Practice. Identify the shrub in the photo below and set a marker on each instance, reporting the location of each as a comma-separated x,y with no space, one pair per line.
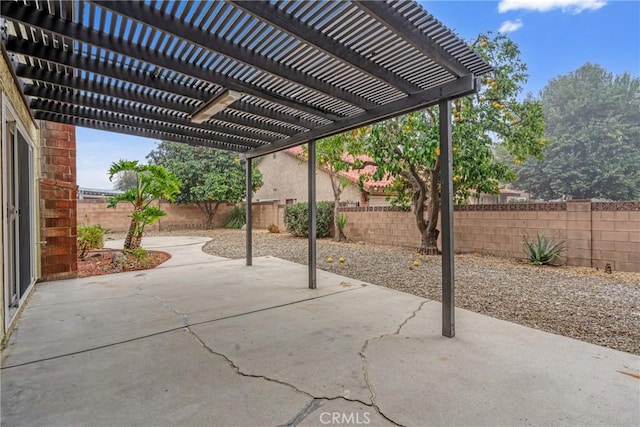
237,217
90,237
138,254
341,222
543,251
296,219
273,228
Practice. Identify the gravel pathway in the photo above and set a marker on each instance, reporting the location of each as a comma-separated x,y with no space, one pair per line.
581,303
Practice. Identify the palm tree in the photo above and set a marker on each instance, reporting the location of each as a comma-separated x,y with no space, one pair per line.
152,182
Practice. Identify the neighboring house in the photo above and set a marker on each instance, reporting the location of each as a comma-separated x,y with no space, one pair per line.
284,177
506,195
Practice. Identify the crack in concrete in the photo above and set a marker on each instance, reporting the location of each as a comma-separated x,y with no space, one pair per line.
365,362
184,317
313,398
413,315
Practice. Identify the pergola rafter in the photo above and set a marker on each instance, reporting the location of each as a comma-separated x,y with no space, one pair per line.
290,72
289,23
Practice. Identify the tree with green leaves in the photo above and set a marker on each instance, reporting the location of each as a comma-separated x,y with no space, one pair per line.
152,182
124,180
209,176
407,147
333,155
593,128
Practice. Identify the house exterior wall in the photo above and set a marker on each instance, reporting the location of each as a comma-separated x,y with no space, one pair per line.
595,234
58,204
11,99
285,178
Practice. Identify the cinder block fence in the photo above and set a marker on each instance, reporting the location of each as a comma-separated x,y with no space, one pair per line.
595,234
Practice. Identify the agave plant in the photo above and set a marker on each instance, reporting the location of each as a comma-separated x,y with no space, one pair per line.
543,251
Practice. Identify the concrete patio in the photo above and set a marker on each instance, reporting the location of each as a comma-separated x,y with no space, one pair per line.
204,340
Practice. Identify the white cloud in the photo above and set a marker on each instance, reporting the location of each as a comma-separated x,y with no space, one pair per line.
510,26
571,6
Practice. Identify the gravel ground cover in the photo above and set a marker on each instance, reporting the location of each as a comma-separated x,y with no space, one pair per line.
581,303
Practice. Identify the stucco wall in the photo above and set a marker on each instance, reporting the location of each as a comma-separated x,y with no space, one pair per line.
13,103
285,177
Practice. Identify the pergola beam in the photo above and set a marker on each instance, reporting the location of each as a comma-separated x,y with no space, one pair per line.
404,29
69,81
30,15
110,90
128,130
159,114
132,121
67,58
153,17
289,24
461,87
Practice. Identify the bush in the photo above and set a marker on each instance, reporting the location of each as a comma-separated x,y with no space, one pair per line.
237,217
138,254
90,237
341,222
543,251
296,219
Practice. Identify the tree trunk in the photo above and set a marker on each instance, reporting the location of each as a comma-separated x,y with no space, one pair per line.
128,241
209,210
428,231
430,236
134,238
337,192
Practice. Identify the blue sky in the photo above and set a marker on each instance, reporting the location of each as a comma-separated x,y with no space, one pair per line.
555,38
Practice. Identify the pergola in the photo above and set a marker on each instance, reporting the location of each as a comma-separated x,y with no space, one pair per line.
253,77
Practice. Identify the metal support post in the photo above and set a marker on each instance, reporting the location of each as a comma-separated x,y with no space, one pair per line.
249,252
446,214
312,212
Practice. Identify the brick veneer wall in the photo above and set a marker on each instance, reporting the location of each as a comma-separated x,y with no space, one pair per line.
179,217
596,234
58,195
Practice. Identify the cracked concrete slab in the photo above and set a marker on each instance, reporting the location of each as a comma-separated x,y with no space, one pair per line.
50,330
73,315
314,344
123,385
499,373
218,343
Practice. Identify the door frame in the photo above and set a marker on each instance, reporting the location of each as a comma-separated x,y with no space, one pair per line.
9,115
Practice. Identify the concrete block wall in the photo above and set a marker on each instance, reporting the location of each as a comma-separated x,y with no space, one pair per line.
382,225
595,234
58,201
500,229
265,213
616,235
179,217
